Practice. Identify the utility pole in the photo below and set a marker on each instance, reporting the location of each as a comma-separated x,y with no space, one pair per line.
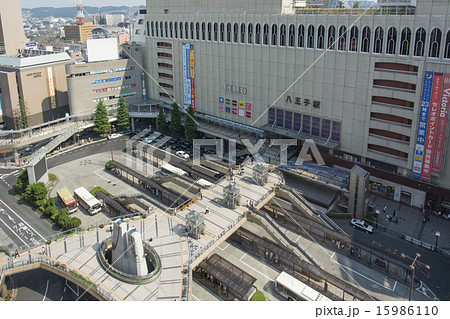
413,268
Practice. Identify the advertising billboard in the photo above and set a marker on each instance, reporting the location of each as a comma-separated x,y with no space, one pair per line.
432,123
422,126
188,75
442,126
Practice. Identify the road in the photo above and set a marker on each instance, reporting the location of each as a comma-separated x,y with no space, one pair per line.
20,225
437,278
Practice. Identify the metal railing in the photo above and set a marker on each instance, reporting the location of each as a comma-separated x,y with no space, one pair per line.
71,272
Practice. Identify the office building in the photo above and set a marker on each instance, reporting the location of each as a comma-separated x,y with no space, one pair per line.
79,32
350,80
12,37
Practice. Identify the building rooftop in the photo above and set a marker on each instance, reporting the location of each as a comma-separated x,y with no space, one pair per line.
34,60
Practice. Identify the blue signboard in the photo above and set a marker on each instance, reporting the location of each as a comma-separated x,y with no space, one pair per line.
184,76
423,123
188,74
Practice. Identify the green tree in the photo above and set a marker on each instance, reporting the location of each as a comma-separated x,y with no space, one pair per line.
123,119
341,4
74,222
175,120
190,126
50,211
36,192
101,118
20,115
63,218
22,181
161,121
356,4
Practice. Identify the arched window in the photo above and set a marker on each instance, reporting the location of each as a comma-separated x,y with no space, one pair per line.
378,40
242,32
197,31
176,30
342,43
192,30
274,34
291,35
354,39
153,29
405,41
203,31
186,30
156,29
321,37
266,34
258,34
148,28
447,46
311,36
419,45
301,36
331,37
209,31
181,30
228,32
222,32
435,43
365,40
250,33
166,29
235,32
283,35
391,40
171,29
161,29
216,31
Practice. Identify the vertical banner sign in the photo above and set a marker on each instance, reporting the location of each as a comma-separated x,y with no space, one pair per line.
423,121
432,123
51,88
185,99
442,126
191,55
188,74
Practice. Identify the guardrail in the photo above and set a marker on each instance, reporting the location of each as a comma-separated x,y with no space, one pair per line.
71,272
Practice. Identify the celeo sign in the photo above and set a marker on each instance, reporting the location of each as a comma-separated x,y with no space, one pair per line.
235,89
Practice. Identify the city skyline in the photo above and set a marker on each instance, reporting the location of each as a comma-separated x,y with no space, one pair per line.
30,4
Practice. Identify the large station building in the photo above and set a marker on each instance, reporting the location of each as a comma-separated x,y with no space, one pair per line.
369,86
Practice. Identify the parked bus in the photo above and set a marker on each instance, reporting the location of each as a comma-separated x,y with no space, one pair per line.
293,289
67,200
87,200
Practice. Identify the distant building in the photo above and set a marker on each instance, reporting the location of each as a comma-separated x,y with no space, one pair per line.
79,33
12,37
40,81
107,81
111,19
119,34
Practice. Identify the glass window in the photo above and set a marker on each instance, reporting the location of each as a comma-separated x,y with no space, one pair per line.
378,40
280,118
297,121
354,39
306,124
342,43
315,127
419,45
365,42
292,35
321,37
336,133
326,127
331,37
405,41
435,43
301,36
391,40
311,36
271,116
288,120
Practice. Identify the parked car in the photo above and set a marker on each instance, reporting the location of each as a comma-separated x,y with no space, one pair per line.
115,135
361,224
182,154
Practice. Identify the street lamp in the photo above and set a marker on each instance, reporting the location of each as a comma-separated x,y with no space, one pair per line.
413,268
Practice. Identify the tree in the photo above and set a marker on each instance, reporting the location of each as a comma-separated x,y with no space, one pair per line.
123,119
63,218
341,4
101,118
190,126
74,222
175,120
161,121
356,4
21,115
22,181
36,192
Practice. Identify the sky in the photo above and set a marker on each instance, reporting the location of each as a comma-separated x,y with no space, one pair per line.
29,4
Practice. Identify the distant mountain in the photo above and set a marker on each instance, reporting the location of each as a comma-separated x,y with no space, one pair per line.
71,12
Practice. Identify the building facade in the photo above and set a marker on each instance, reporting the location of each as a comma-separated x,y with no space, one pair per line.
40,81
12,37
351,82
107,81
79,32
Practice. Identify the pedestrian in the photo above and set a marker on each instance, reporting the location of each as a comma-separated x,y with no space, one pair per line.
384,209
44,252
201,195
16,253
252,160
393,214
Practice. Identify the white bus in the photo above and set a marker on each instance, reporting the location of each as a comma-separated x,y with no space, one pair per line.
67,200
87,200
293,289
